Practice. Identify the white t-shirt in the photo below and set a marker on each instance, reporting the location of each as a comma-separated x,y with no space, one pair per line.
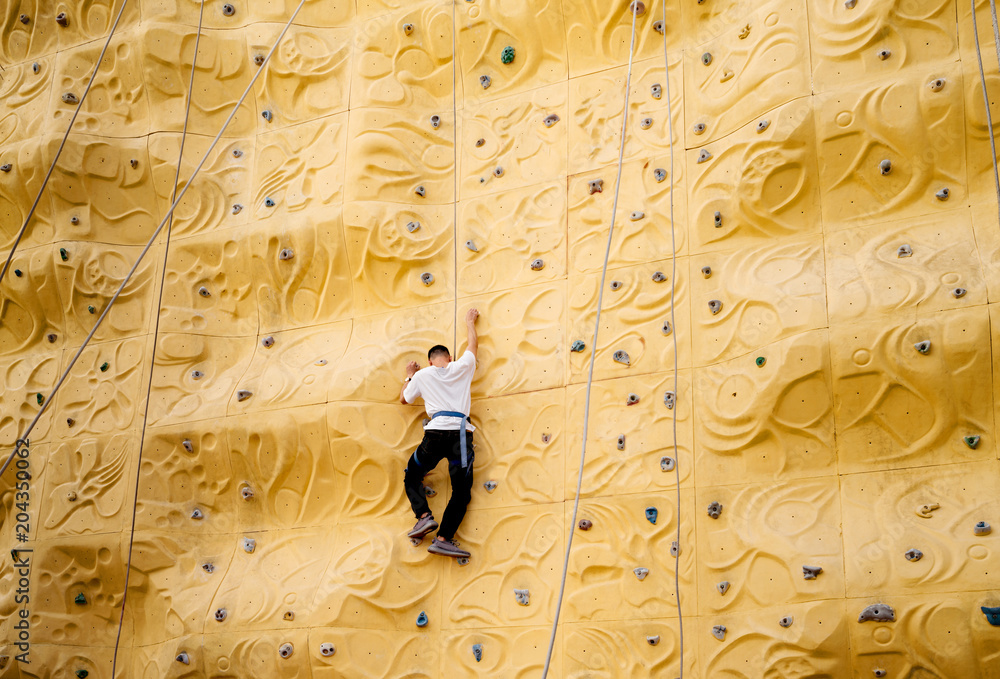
446,388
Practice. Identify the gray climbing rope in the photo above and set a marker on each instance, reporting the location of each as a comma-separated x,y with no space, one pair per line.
593,355
52,167
156,333
986,94
156,234
454,123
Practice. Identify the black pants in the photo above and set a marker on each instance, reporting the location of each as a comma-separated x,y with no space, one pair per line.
436,446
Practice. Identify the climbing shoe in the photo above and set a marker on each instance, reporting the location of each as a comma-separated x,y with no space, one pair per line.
424,526
447,548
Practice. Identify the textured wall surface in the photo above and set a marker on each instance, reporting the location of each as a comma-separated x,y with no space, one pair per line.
803,406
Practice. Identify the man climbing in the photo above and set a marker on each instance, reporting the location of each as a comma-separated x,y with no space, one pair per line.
445,387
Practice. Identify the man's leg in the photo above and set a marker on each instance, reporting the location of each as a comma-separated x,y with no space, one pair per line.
461,488
419,465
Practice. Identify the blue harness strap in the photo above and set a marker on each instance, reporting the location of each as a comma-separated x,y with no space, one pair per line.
452,413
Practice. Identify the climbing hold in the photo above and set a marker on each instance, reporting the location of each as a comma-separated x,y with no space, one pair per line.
435,121
286,650
40,399
183,657
197,514
641,573
621,442
786,621
203,291
6,167
62,19
667,464
699,128
490,486
992,615
658,27
74,220
596,186
477,652
70,421
714,510
268,202
636,215
63,254
585,524
237,153
850,4
719,632
80,599
485,81
208,568
220,614
943,194
659,174
427,278
228,10
745,32
632,399
577,346
878,613
616,285
412,226
246,491
25,19
971,441
258,59
546,438
904,251
646,123
656,91
420,191
651,514
959,292
197,374
982,528
498,171
706,271
327,649
810,572
723,587
537,264
760,361
268,342
267,115
879,672
522,596
428,491
105,366
706,58
727,75
51,337
550,120
480,142
82,674
35,67
715,306
507,55
471,246
620,357
658,277
638,8
883,54
407,29
91,309
923,347
669,398
463,561
885,167
134,163
288,615
924,511
703,155
18,273
249,544
762,125
936,85
653,640
286,254
718,219
237,208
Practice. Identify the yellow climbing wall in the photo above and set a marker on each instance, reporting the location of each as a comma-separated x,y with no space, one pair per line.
802,406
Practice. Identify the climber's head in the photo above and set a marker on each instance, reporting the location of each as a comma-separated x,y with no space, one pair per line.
439,356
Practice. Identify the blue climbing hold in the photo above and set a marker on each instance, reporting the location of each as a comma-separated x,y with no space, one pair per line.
477,650
651,514
422,619
992,614
578,346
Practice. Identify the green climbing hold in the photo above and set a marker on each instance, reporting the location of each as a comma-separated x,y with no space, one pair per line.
80,599
63,254
760,361
507,55
40,399
105,366
82,674
91,309
578,346
971,441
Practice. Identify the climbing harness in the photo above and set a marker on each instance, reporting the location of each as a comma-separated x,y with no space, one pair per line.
464,417
52,167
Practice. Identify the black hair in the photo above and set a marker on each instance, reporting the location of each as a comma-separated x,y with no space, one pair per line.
437,349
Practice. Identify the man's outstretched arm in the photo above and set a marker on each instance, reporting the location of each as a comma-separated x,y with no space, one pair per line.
470,322
411,370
